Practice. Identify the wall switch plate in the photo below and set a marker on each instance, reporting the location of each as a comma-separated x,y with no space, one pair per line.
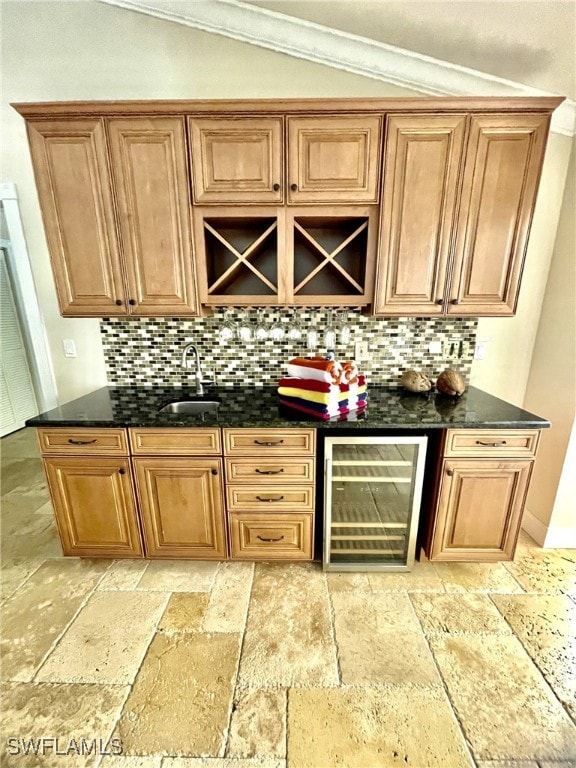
69,347
480,350
361,351
435,347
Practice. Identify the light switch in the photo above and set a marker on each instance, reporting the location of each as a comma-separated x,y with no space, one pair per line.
69,347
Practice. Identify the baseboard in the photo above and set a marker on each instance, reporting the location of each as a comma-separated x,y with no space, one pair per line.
553,537
534,527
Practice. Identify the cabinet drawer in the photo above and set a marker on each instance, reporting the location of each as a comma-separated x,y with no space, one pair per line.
492,443
175,442
269,442
272,498
269,470
264,537
70,440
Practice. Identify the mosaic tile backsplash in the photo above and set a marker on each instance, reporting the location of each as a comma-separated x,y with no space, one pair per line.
148,351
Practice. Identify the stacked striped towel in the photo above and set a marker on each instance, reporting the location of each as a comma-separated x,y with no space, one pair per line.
323,388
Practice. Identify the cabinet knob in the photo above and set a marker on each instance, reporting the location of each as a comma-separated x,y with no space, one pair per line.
449,472
439,301
118,302
276,187
214,471
455,301
132,302
121,471
294,187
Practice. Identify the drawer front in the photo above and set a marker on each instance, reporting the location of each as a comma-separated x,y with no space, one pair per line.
516,443
175,442
77,440
269,442
268,470
271,498
271,537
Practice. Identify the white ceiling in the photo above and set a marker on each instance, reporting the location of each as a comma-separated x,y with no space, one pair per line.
529,41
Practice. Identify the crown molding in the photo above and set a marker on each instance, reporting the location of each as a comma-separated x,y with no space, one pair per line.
341,50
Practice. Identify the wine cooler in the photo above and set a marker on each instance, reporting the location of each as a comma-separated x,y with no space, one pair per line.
373,490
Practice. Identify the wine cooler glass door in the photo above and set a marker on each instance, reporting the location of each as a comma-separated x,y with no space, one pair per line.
372,502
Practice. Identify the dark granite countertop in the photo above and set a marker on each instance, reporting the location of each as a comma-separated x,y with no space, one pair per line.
388,409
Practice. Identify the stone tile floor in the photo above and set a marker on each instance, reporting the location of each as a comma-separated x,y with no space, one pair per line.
233,665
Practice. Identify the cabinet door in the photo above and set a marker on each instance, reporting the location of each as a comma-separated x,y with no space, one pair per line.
73,182
480,509
501,175
421,173
334,159
237,159
151,185
93,500
182,507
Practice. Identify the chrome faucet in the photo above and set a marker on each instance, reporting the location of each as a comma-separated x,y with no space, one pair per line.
199,376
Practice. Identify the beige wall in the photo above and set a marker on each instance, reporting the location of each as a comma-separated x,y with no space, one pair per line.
87,50
551,387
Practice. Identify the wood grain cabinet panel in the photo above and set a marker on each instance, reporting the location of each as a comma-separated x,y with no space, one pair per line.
334,159
93,500
181,507
269,442
479,509
237,160
162,441
74,189
421,174
271,537
91,441
503,164
151,182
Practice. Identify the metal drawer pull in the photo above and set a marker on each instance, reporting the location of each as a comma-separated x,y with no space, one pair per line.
268,471
279,498
81,442
267,442
262,538
491,445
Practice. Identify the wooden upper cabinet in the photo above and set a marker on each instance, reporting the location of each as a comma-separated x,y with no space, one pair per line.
151,182
334,159
421,172
237,160
73,182
501,175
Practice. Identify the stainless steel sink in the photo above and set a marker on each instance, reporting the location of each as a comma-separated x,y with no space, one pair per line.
191,407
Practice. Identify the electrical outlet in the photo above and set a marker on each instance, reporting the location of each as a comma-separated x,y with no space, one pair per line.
455,349
361,351
435,347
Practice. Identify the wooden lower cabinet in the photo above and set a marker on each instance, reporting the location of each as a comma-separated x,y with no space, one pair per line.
181,507
480,506
256,536
93,500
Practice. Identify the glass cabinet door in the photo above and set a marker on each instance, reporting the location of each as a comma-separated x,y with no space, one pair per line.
372,502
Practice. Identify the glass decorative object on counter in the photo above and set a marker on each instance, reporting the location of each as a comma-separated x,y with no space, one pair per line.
372,496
